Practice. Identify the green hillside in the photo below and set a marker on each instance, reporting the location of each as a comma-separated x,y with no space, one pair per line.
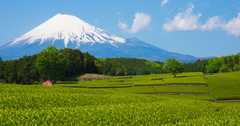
225,85
125,100
221,86
38,105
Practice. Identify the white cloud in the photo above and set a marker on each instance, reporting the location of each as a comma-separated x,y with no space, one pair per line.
233,26
96,20
164,2
213,23
141,22
189,21
122,26
183,21
118,13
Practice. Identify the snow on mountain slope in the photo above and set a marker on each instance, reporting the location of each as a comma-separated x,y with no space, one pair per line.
70,29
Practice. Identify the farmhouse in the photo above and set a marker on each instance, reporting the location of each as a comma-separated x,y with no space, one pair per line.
48,83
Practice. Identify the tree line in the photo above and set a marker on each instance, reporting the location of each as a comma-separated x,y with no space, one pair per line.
214,65
60,64
55,65
43,66
134,66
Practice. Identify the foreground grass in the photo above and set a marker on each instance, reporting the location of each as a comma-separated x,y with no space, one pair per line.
38,105
225,85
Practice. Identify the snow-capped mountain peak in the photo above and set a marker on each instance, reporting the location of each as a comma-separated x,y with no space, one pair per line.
70,29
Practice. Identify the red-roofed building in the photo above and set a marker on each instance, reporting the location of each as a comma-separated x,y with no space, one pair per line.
48,83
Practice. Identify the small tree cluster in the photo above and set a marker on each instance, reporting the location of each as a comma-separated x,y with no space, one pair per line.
52,63
223,64
173,66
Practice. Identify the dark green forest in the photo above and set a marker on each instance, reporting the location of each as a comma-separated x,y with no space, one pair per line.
134,66
24,70
37,68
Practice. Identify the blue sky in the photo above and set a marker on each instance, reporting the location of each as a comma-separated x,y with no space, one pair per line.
200,28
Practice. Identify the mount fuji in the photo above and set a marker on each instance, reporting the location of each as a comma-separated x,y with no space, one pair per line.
69,31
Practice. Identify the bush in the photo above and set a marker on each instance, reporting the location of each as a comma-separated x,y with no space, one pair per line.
224,68
36,82
2,81
236,67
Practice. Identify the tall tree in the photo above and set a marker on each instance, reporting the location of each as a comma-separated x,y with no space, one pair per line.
215,65
225,60
224,68
236,59
75,58
238,54
52,63
10,73
89,63
173,66
230,62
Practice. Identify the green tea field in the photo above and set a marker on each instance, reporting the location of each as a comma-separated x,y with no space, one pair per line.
224,85
134,100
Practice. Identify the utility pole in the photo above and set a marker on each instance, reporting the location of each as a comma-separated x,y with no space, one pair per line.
140,71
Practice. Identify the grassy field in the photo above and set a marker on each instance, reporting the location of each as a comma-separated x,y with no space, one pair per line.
153,79
182,89
129,84
224,85
78,103
56,105
137,90
96,84
158,89
191,97
186,80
